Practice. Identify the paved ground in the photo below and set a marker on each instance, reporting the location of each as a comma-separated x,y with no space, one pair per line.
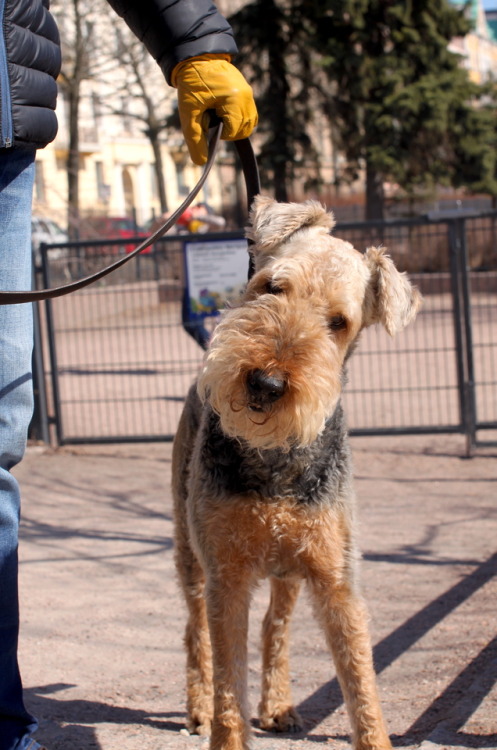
102,620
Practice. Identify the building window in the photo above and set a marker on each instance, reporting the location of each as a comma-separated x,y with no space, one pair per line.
96,106
39,181
126,119
103,190
154,188
183,188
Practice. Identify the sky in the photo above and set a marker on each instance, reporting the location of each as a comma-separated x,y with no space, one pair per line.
487,4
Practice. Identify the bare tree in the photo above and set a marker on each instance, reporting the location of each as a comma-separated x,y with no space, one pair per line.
139,84
101,58
77,24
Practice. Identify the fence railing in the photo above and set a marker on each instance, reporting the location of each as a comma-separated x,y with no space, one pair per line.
114,361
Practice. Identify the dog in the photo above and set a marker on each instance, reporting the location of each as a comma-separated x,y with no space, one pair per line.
262,478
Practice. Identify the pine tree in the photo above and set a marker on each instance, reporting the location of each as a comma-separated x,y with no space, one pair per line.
403,105
276,59
400,104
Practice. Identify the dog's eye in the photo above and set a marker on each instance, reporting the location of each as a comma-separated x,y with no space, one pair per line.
338,323
272,288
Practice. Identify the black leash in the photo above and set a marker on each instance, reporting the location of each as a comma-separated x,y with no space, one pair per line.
251,174
252,183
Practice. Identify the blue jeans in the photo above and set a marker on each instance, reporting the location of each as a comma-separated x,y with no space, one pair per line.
16,406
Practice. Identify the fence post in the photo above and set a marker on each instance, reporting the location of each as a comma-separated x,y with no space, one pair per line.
54,370
39,428
468,335
462,329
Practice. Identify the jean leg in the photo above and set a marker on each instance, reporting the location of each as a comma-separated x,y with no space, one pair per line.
16,406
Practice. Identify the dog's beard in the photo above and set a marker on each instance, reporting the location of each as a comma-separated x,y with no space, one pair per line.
303,352
284,425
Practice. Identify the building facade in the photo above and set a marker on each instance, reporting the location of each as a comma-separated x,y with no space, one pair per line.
117,174
479,48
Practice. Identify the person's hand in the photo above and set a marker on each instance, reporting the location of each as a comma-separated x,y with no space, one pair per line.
212,82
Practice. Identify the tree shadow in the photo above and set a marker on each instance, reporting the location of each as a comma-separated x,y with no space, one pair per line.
68,721
399,641
445,716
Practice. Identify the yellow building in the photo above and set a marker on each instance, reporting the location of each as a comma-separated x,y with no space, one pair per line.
478,48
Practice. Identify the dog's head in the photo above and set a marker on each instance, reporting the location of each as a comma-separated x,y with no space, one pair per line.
272,224
276,229
274,369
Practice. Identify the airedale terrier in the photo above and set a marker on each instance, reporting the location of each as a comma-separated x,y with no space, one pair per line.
262,478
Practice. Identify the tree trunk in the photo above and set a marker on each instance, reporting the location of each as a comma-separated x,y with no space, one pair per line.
280,181
375,194
73,163
159,168
73,88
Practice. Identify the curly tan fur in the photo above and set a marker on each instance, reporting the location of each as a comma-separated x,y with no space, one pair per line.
262,480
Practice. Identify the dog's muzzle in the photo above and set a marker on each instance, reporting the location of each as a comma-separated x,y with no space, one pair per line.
264,390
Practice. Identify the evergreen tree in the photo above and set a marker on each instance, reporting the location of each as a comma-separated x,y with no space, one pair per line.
275,56
475,143
399,102
402,103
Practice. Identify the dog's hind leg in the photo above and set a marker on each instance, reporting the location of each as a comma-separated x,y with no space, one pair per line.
192,579
276,711
197,642
198,657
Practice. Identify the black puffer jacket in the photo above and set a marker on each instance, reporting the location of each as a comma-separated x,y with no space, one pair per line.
29,65
172,30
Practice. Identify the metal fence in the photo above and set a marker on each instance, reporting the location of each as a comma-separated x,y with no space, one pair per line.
114,362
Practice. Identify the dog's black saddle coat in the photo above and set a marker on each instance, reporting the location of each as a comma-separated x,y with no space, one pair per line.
313,474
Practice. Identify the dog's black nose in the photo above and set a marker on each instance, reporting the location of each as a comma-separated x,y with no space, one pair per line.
264,389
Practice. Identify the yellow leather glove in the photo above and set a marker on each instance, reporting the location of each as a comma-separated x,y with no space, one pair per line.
212,82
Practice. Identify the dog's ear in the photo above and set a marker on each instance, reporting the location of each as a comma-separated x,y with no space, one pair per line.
391,299
272,223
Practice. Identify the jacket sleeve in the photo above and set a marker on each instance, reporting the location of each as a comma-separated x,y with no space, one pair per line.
174,30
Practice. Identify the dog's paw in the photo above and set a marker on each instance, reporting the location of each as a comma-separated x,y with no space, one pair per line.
281,719
199,723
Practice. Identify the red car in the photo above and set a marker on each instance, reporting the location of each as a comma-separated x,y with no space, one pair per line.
112,227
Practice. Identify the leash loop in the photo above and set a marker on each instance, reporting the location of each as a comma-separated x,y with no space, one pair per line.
249,166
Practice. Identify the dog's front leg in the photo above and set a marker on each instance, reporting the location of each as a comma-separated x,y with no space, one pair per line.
228,598
276,710
343,615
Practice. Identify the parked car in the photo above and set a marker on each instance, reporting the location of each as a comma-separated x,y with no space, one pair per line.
48,231
109,228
